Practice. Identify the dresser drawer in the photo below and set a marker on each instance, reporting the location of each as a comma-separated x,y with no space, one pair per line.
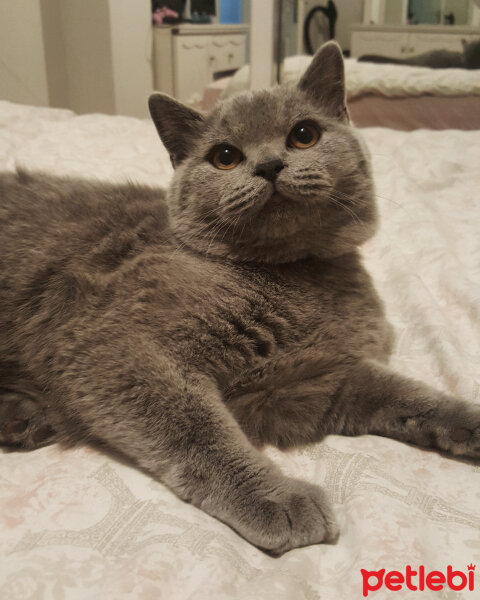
384,43
226,52
190,69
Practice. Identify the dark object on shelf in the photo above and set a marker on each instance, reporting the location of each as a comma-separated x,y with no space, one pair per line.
202,7
170,21
449,19
200,18
177,5
330,12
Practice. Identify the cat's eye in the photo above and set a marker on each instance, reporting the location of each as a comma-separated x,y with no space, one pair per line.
225,157
303,135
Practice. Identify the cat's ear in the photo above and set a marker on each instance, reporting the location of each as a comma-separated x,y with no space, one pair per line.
177,124
324,80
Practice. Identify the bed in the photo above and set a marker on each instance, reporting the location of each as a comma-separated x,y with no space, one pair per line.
77,524
383,95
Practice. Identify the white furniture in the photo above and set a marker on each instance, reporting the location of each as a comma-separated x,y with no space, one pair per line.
408,40
188,57
396,12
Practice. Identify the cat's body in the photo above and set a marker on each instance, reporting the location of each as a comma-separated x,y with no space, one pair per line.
244,316
100,261
469,58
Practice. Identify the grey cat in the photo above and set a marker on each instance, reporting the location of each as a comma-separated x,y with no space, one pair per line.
468,58
186,333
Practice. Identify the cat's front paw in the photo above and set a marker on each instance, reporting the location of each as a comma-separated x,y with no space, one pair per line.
453,427
291,515
23,425
461,435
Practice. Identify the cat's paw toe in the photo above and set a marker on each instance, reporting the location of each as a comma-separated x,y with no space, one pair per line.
298,514
462,434
22,423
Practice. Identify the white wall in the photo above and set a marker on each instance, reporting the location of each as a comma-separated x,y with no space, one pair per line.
88,58
54,52
23,75
86,55
131,51
350,12
261,43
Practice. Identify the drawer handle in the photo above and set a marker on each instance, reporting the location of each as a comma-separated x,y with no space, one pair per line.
188,46
403,49
232,42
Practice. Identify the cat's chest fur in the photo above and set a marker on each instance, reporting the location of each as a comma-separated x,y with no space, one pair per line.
88,274
228,318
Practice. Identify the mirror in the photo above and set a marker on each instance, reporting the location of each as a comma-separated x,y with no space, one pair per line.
422,12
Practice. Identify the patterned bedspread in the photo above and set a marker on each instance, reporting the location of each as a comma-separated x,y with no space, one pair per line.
78,524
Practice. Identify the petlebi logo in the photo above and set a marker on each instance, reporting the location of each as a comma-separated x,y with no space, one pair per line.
418,579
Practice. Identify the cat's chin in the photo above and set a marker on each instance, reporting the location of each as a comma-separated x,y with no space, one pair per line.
276,199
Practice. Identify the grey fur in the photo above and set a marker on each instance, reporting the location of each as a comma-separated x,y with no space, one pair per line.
244,316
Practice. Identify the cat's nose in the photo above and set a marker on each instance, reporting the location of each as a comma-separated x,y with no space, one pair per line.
270,169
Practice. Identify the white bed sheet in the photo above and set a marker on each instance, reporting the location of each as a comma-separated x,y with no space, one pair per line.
78,525
374,78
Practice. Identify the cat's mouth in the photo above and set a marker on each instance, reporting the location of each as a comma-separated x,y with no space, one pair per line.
276,198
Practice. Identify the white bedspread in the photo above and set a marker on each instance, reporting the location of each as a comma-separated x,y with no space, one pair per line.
387,80
78,525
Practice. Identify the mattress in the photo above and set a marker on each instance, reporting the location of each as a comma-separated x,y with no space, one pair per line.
78,524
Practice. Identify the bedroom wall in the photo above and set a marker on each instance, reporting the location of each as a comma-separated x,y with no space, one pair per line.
54,51
88,59
350,12
23,74
131,52
86,55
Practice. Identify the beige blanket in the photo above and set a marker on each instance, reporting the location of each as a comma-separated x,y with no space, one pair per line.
78,525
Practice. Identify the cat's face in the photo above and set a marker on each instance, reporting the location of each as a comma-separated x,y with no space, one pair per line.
270,176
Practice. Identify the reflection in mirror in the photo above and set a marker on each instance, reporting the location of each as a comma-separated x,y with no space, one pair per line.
421,12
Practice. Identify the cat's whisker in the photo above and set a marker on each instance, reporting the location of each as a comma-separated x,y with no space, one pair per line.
195,233
215,231
354,200
229,200
348,210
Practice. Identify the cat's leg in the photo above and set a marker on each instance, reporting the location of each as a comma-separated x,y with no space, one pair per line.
375,399
176,427
299,401
24,422
288,401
